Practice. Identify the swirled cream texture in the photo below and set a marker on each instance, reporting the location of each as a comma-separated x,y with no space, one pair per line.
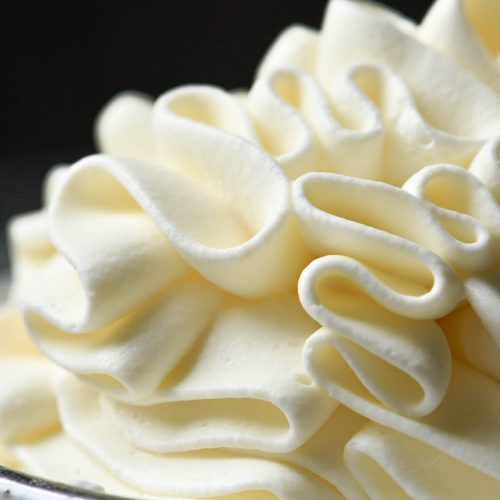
291,292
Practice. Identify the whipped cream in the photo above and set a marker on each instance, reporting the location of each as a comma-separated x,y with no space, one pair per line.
290,292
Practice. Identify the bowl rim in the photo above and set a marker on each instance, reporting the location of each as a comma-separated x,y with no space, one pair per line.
19,485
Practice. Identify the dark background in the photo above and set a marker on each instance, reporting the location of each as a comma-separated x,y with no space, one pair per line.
61,62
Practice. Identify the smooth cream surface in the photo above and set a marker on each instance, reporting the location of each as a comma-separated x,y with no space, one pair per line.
290,292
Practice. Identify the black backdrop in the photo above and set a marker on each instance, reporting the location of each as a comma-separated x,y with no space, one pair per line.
61,62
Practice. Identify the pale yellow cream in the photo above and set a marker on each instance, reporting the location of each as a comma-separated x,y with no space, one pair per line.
291,292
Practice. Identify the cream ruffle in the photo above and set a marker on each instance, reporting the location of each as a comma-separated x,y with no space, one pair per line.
288,292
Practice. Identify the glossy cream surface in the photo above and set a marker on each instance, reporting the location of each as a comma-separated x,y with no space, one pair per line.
291,292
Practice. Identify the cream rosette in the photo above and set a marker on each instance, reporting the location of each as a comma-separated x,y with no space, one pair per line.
290,292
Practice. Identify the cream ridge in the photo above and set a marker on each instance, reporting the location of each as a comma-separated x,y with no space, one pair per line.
288,292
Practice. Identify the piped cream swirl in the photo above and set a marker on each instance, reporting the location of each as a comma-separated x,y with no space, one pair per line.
288,292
